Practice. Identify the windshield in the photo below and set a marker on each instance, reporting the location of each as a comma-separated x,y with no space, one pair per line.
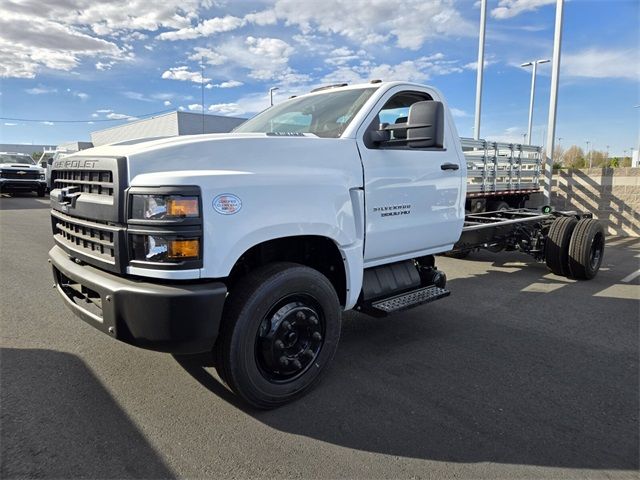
325,115
13,158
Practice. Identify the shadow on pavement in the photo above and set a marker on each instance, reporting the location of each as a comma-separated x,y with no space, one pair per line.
491,379
58,421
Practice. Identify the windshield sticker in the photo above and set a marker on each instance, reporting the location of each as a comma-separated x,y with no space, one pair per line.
227,204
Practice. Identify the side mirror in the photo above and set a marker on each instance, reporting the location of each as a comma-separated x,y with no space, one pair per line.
425,125
376,137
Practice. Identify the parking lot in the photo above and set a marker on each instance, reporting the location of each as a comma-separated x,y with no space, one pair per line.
518,374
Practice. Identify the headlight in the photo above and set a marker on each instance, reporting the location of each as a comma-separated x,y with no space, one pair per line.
42,176
166,249
164,207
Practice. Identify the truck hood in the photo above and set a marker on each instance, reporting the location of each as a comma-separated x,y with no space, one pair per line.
170,158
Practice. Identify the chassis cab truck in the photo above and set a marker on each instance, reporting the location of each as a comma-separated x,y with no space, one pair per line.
251,244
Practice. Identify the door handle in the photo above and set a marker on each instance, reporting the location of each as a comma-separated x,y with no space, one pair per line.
449,166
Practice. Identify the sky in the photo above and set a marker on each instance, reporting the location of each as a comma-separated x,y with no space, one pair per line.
102,63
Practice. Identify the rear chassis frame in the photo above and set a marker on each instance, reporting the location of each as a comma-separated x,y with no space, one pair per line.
521,229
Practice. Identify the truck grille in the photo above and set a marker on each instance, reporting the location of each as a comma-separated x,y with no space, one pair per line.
92,239
97,182
20,174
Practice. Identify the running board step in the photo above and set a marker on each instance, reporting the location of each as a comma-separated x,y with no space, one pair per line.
410,299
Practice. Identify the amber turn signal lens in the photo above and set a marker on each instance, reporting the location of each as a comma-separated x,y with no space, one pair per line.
182,207
183,249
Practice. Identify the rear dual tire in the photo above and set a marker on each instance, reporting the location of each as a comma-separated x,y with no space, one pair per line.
280,330
557,245
575,248
586,249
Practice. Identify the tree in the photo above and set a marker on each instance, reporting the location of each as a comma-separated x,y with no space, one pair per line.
573,157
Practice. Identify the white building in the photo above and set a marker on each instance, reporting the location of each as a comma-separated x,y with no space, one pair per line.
24,148
166,125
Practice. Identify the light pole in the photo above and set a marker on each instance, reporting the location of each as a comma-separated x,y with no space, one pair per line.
534,71
271,90
480,68
553,98
524,139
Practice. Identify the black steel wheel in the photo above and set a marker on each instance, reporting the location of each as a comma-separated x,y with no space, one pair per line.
497,206
290,338
586,249
280,330
556,247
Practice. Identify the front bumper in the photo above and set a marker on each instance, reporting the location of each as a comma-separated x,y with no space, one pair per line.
7,184
170,317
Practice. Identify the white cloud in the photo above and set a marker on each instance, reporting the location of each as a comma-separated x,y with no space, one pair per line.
509,135
47,123
600,63
410,22
195,107
226,108
102,66
227,84
273,48
205,29
183,74
40,90
104,110
60,34
119,116
474,65
9,124
265,58
265,17
210,56
511,8
167,103
342,56
94,115
456,112
418,70
81,95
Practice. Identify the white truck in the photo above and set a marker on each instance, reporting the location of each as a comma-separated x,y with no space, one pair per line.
251,244
19,173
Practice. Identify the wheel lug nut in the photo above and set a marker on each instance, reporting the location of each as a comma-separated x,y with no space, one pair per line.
316,336
286,325
279,344
301,315
308,353
284,361
296,363
313,320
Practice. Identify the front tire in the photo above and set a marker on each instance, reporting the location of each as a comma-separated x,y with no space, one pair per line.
41,191
280,330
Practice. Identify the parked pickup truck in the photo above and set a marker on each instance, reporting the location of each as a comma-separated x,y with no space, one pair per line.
19,173
251,244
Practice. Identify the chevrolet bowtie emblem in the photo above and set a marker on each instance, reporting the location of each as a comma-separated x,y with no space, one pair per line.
21,172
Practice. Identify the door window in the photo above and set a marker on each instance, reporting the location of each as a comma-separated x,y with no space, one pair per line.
396,112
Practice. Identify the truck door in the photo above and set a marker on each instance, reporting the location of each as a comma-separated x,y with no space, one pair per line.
414,195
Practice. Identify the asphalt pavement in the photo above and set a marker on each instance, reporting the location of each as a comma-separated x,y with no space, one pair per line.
518,374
